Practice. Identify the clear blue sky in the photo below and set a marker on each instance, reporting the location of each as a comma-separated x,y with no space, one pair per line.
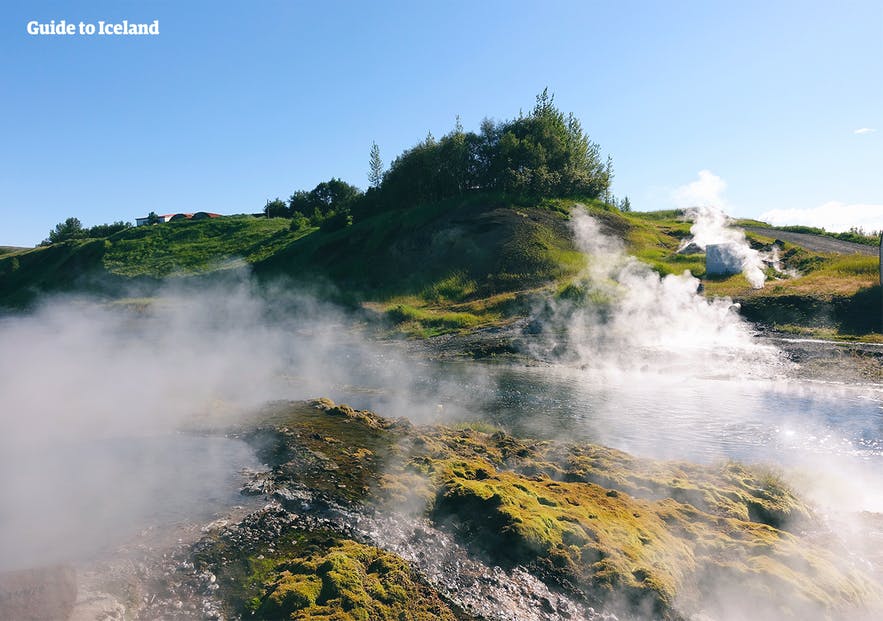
236,103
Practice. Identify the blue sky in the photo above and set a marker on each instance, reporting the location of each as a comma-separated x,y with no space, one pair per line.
753,105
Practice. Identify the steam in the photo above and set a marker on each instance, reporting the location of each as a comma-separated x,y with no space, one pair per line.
631,318
94,397
712,226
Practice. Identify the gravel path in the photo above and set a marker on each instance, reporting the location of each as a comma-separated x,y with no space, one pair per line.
816,243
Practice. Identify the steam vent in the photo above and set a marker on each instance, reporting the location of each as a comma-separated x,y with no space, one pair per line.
722,260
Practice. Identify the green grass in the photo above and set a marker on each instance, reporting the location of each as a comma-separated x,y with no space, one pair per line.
196,246
448,266
141,255
441,267
427,322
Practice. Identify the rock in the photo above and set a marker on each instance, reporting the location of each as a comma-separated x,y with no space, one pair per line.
691,248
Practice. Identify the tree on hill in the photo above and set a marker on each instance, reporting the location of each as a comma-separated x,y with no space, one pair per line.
276,209
545,153
325,200
71,228
106,230
375,170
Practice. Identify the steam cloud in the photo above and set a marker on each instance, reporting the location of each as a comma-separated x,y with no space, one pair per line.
94,397
711,226
641,320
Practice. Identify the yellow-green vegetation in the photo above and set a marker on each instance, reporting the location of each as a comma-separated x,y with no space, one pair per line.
637,533
428,321
316,574
345,581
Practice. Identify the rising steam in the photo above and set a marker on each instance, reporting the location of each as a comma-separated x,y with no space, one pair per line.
94,397
712,226
629,317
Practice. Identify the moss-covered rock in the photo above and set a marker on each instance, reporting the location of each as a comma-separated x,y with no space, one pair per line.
274,565
648,536
346,581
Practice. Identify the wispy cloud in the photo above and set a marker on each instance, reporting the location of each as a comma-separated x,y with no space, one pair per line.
864,130
706,191
832,216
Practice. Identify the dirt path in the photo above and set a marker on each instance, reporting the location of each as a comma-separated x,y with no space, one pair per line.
816,243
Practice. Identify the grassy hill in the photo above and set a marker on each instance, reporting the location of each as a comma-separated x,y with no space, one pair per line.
451,265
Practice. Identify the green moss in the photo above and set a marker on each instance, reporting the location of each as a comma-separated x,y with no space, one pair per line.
609,523
315,574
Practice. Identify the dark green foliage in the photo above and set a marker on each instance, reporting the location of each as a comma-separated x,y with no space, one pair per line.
106,230
276,209
324,201
500,246
336,222
69,229
543,154
72,228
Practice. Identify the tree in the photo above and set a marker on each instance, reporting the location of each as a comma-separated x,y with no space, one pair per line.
545,153
326,199
626,204
106,230
152,218
71,228
608,178
276,209
375,171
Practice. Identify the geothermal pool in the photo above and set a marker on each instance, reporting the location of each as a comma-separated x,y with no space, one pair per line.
828,434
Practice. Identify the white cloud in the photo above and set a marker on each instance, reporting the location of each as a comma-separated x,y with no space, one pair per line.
832,216
704,192
864,130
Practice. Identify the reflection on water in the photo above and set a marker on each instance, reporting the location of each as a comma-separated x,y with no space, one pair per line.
696,419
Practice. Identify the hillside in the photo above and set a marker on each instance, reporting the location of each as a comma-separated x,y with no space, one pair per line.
455,264
450,251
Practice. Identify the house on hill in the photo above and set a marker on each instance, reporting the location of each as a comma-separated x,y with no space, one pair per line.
175,217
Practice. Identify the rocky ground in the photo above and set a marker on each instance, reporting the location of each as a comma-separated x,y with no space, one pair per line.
832,361
362,517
